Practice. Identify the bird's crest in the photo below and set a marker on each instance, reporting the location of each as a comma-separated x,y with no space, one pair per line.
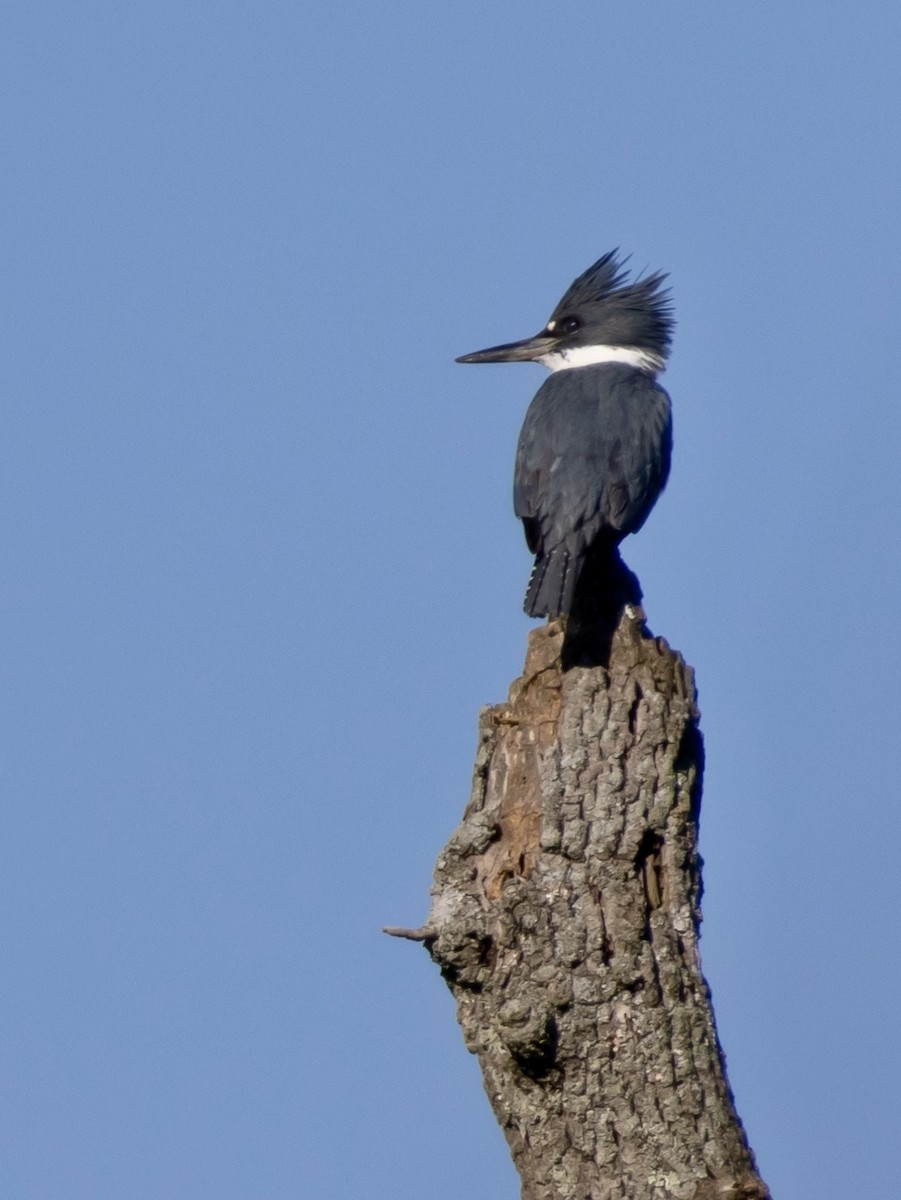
604,291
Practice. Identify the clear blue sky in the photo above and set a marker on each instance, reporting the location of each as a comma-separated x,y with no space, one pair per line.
260,570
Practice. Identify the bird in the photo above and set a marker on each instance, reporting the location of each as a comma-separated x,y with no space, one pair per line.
594,451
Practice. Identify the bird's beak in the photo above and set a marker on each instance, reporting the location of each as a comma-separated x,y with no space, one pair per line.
525,351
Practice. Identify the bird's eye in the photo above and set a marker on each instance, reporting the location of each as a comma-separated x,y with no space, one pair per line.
570,324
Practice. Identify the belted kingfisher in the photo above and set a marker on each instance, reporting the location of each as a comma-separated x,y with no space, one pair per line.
594,450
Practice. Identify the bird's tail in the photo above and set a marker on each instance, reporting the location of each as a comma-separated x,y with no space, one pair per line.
552,585
568,577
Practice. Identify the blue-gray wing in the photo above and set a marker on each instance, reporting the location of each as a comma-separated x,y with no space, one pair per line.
593,456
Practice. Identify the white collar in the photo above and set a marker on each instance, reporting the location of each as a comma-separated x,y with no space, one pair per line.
585,356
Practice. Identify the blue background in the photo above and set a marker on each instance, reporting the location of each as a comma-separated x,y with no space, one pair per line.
259,568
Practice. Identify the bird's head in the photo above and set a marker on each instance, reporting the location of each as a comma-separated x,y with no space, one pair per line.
602,318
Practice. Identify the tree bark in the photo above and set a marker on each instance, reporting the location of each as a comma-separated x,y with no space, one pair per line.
565,915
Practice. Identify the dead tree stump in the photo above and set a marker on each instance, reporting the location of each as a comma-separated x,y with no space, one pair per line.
565,917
